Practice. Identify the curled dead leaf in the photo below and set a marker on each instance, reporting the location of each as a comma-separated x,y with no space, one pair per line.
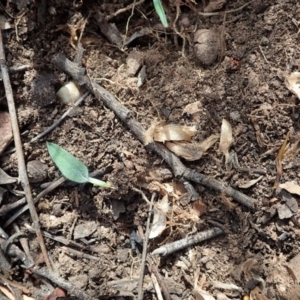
173,132
161,133
159,217
226,139
292,82
192,110
192,151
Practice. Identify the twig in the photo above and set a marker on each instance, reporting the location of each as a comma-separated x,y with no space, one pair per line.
208,14
81,254
145,245
24,243
21,161
15,252
15,284
68,243
4,264
66,285
156,287
189,241
46,191
126,116
128,7
153,269
54,125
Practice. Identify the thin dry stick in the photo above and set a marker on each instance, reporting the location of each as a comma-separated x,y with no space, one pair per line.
21,161
153,269
145,245
156,287
188,241
128,7
208,14
47,190
126,116
54,125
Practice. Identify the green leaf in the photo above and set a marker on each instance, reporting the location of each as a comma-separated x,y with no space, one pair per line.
160,11
72,168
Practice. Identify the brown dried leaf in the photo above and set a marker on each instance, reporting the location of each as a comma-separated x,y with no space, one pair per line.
292,82
199,208
227,202
202,295
226,139
291,187
75,31
173,132
192,151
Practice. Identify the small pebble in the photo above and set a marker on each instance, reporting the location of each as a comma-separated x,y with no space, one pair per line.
264,41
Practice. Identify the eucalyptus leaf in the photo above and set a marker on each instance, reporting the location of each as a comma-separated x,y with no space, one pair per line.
72,168
160,11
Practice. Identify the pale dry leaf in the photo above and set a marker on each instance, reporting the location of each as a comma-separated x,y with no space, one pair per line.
210,141
188,151
6,179
7,293
202,295
159,217
192,151
226,286
192,109
173,132
4,24
148,136
27,298
221,296
291,187
292,82
226,139
250,183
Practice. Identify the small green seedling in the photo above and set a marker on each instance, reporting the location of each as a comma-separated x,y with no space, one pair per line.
72,168
160,11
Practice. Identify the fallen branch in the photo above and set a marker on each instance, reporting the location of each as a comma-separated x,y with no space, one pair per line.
66,285
178,168
21,161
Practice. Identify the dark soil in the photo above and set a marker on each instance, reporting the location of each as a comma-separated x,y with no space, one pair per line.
243,83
